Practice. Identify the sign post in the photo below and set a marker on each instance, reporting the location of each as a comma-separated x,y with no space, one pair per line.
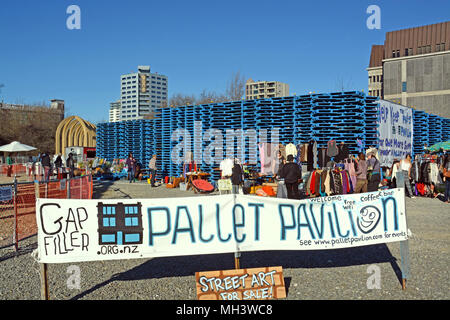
404,245
43,266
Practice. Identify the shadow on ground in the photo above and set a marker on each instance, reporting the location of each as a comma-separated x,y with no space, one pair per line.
187,265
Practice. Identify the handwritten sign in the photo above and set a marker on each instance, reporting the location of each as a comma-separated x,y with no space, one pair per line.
241,284
395,132
71,230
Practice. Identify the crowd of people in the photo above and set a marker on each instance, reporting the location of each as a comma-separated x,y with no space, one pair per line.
45,165
369,176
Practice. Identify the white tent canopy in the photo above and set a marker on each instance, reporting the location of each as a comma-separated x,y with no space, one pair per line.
16,146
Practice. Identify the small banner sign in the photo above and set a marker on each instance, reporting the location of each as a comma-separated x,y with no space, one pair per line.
241,284
6,193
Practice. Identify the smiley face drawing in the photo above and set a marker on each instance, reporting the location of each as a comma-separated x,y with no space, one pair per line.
368,218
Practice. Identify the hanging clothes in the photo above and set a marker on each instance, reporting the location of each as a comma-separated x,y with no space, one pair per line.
307,187
343,152
337,182
434,173
332,150
313,183
304,152
315,155
298,158
310,156
323,158
267,154
323,178
327,183
344,182
291,149
282,149
350,167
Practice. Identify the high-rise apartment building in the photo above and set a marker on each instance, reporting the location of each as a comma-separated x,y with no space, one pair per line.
114,111
142,92
265,89
413,68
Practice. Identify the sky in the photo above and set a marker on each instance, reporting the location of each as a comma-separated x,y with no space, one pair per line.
314,46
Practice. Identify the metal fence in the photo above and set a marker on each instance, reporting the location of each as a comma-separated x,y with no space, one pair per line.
18,204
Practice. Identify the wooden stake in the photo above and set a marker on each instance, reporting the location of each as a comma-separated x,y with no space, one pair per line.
43,267
236,263
16,233
237,256
44,282
403,284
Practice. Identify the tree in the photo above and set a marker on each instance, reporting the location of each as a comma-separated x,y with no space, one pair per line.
207,97
236,87
179,99
234,91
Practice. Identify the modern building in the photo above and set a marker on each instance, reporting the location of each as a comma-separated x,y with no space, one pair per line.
413,68
74,132
265,89
114,111
141,93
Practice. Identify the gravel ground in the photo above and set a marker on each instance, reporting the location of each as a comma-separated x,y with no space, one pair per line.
323,275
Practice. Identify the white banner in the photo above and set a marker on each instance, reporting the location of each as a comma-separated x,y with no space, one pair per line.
87,230
395,132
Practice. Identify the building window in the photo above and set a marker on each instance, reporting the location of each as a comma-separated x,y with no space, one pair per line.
404,86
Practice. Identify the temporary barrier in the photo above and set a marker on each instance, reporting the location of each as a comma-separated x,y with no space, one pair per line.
18,204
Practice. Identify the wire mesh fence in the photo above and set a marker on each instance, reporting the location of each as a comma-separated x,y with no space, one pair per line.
18,204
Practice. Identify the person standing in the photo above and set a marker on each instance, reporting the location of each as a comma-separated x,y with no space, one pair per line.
58,165
131,165
446,173
292,174
236,177
45,161
375,173
71,165
9,164
405,168
153,168
361,173
58,161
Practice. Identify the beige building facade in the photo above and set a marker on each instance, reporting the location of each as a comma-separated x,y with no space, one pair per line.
412,68
265,89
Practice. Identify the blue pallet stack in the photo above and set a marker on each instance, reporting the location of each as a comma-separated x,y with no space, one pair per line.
342,116
435,129
420,131
445,129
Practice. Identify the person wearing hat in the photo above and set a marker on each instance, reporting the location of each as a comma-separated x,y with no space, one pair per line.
291,174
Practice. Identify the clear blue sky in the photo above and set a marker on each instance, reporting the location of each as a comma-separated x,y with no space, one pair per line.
311,45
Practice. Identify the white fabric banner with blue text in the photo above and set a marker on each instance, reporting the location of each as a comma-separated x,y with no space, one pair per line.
72,230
